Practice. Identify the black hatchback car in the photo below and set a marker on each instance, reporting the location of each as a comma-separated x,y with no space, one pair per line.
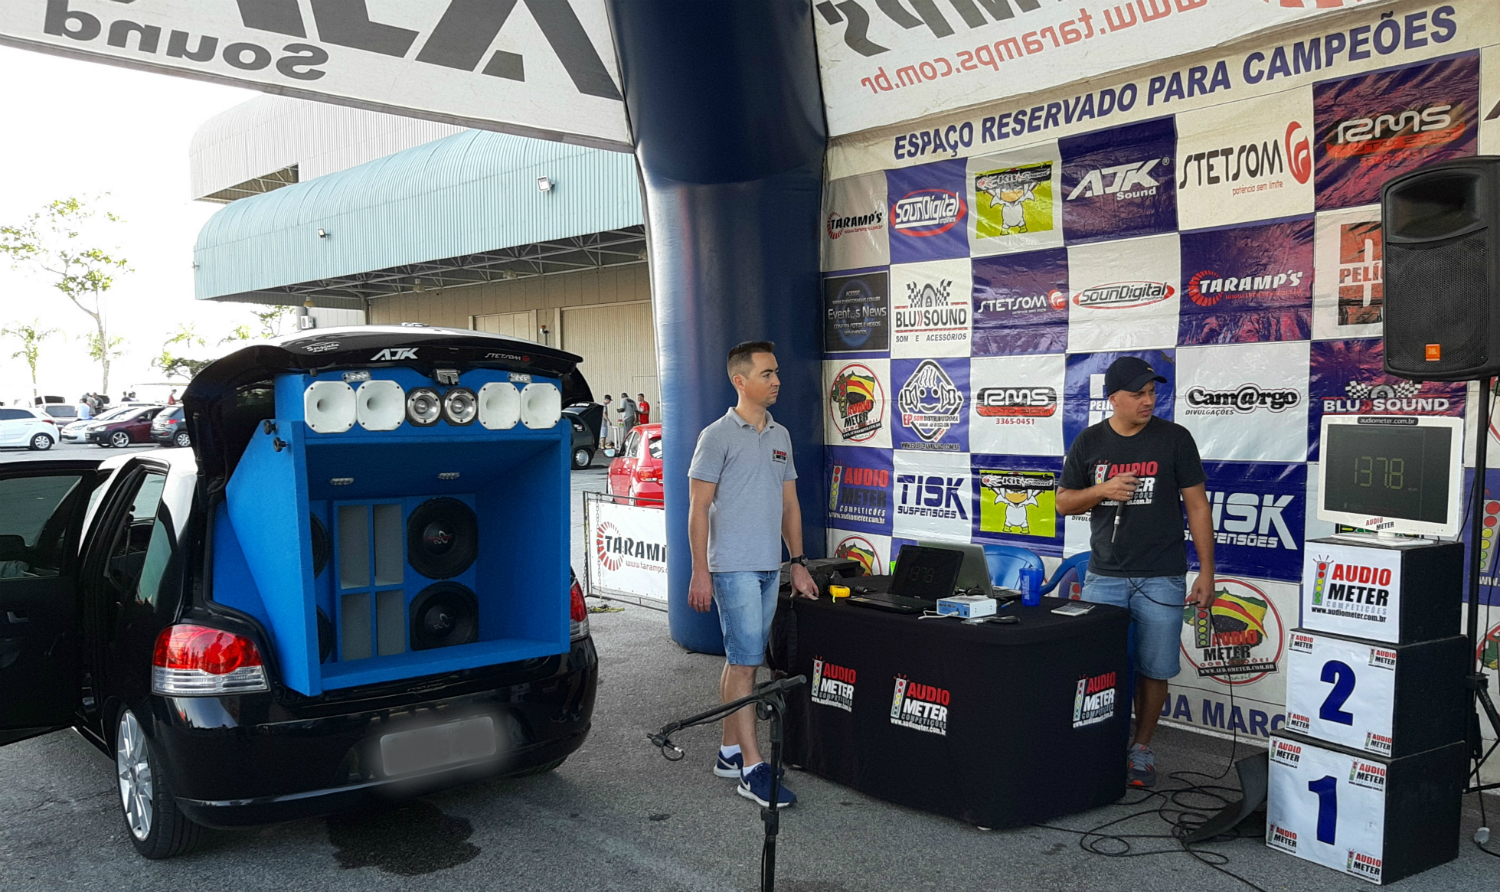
114,621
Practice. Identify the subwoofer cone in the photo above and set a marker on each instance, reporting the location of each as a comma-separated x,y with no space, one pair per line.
322,546
325,636
424,407
443,615
442,538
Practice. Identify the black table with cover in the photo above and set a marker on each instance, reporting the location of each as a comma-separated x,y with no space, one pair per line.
995,725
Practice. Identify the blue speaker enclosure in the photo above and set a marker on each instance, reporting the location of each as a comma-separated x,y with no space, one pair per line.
516,481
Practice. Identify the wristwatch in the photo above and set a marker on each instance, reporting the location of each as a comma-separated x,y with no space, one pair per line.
799,559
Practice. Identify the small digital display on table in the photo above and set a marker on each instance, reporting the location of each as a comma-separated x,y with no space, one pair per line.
923,572
1393,471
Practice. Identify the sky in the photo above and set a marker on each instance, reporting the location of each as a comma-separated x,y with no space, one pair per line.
84,129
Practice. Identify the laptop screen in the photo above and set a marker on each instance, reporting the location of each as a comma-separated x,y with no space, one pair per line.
924,572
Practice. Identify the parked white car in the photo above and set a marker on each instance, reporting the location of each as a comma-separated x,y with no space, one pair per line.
20,426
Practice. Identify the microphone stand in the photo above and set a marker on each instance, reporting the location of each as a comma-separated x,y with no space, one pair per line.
770,703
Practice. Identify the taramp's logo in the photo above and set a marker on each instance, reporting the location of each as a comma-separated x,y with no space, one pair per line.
1238,639
611,559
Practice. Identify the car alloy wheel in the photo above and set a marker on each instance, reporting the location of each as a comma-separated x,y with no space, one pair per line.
119,439
41,442
182,440
582,458
133,765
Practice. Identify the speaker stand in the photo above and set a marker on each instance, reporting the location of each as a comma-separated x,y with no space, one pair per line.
770,703
1477,681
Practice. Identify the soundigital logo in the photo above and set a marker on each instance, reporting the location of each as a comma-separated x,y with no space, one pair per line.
1016,402
856,401
1245,398
1431,125
927,212
1123,181
1207,287
1292,153
839,224
1122,295
929,402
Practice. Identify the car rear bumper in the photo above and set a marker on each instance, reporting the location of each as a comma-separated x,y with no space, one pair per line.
163,436
236,761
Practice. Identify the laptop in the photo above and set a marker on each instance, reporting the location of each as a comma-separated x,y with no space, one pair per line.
974,573
923,575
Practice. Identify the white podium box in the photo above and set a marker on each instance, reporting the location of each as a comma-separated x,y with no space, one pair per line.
1389,700
1383,592
1374,818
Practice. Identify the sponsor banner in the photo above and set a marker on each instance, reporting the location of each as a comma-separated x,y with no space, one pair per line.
1349,287
857,313
1239,640
1352,590
1244,161
1327,807
1372,127
1489,657
1242,715
1489,101
1342,691
1119,183
544,70
884,62
930,308
858,400
1245,402
921,707
1015,201
1094,699
1177,84
1124,295
934,498
927,212
1085,402
1489,568
1017,404
627,552
1348,377
832,684
1471,426
1247,284
859,488
854,223
872,551
1015,501
930,409
1021,303
1258,511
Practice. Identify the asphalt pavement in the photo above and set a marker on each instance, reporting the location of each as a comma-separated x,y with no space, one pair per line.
617,816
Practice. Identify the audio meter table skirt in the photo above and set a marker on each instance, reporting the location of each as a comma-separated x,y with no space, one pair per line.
1374,818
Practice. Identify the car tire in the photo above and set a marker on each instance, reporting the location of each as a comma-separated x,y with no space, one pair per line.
582,458
41,443
156,827
181,440
119,439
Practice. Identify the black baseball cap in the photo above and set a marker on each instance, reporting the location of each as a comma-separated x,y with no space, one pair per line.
1129,373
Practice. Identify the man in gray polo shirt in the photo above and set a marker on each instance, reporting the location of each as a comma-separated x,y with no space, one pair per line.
743,497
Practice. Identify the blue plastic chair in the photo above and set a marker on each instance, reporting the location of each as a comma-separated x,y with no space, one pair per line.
1006,561
1074,568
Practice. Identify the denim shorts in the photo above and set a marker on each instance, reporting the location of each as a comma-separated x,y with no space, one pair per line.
1156,609
747,604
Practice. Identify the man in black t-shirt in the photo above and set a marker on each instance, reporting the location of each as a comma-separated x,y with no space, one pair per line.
1126,472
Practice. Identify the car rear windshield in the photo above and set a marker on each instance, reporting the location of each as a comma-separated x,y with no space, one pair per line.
653,447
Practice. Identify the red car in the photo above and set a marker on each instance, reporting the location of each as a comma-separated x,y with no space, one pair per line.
636,470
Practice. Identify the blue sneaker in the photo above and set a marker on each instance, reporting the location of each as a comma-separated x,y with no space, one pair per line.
757,786
729,767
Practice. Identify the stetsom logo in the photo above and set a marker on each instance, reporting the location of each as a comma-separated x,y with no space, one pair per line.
1298,152
1430,125
1287,153
920,707
838,224
856,402
927,212
1238,639
1242,399
1016,402
1122,295
1207,287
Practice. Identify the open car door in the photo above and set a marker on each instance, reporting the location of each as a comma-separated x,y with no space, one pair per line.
42,504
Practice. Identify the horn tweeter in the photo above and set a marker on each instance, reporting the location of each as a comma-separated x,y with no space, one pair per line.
380,405
442,538
541,406
328,406
499,406
444,615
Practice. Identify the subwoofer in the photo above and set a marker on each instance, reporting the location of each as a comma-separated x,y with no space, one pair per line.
322,546
1441,227
443,615
442,538
325,636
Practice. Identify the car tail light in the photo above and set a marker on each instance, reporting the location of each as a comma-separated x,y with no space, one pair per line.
197,661
51,421
579,611
644,474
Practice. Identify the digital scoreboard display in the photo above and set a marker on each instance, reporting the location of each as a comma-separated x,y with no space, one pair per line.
1389,470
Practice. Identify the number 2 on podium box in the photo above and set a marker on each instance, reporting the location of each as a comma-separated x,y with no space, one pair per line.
1341,691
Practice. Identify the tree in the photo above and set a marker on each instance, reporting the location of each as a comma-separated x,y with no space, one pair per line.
31,336
174,365
269,320
52,241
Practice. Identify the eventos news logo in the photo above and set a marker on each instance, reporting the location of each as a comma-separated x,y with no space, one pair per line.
927,212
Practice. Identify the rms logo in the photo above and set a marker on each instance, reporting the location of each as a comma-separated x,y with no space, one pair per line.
1392,132
1122,295
1016,402
927,212
395,354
